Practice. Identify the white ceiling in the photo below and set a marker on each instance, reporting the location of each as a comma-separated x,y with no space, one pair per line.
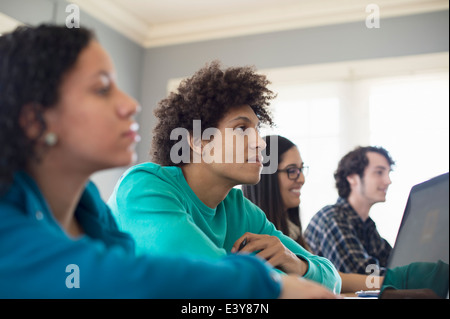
153,23
7,24
164,22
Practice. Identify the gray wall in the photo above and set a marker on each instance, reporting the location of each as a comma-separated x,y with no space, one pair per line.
126,54
398,36
144,73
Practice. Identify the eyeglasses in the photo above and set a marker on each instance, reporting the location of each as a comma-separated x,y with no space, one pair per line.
293,173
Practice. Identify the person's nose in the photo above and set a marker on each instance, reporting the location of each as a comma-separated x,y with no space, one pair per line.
301,178
127,106
260,143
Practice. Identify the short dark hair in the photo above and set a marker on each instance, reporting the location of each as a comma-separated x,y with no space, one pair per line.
355,162
33,61
207,96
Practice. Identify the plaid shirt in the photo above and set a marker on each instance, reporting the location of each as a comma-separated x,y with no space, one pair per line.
337,233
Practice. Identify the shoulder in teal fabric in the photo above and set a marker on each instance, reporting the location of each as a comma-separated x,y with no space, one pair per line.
419,275
38,259
156,205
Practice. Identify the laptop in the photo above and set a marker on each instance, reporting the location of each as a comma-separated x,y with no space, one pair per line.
422,244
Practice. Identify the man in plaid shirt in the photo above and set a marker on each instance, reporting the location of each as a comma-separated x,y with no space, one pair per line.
344,233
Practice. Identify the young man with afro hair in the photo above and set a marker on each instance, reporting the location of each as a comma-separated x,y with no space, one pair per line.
185,202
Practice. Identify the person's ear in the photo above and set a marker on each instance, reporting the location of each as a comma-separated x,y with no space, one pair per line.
31,120
35,123
196,145
353,179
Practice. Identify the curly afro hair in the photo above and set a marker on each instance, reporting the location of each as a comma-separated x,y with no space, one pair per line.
33,61
355,162
207,96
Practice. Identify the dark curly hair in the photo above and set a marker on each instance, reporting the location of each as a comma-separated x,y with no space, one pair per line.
207,96
355,162
33,61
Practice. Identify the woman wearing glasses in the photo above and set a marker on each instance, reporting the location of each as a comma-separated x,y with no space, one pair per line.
278,195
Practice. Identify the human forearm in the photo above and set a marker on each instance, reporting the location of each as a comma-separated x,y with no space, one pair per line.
354,282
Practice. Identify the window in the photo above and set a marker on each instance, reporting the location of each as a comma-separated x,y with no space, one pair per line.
309,115
327,110
407,114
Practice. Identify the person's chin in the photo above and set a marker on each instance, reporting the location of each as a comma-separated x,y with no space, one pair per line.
295,203
382,198
251,180
128,158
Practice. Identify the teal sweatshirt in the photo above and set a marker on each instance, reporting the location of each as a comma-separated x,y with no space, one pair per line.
39,260
419,275
157,206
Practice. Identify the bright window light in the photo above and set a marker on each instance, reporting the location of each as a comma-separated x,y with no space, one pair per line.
409,116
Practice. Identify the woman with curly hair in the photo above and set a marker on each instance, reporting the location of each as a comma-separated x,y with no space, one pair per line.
188,203
62,117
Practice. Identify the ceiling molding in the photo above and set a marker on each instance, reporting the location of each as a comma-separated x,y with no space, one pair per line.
117,18
307,13
357,70
7,23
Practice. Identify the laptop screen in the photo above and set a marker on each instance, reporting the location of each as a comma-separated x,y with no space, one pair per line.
424,232
421,251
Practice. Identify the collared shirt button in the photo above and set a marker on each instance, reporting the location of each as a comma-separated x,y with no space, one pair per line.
39,215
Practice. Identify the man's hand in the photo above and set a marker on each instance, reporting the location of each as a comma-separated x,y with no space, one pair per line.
271,249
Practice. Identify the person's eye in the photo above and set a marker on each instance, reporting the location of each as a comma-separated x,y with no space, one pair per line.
241,128
103,90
